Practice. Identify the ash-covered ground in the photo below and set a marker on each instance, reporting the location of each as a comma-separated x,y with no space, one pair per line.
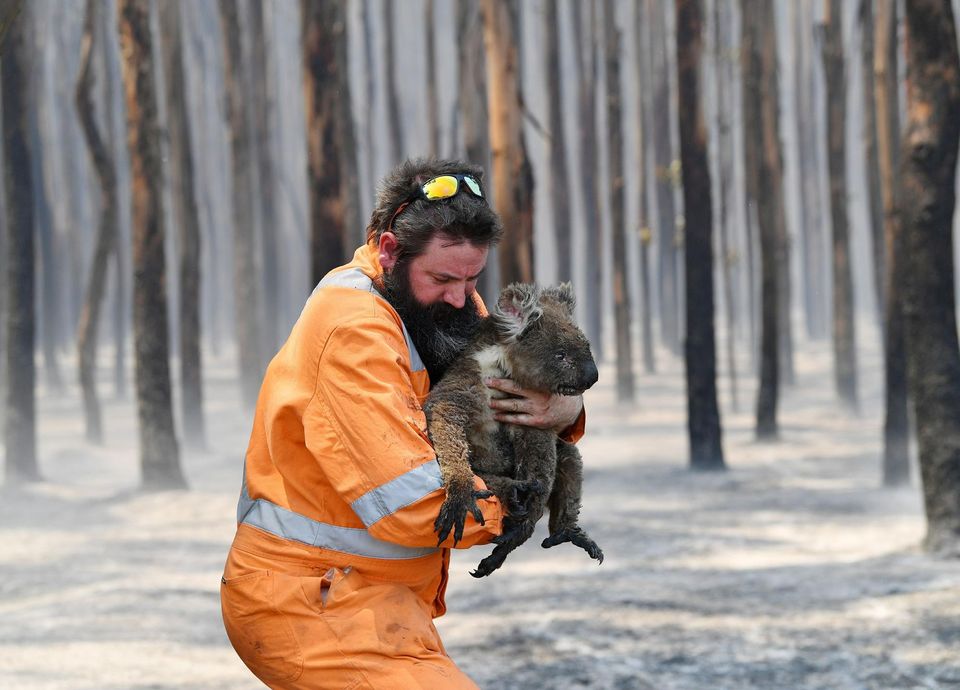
793,569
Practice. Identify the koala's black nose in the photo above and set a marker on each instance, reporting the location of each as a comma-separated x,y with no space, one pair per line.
589,374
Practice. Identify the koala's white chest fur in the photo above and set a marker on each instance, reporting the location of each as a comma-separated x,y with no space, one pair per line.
493,364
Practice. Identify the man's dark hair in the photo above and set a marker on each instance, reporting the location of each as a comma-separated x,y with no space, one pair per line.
461,217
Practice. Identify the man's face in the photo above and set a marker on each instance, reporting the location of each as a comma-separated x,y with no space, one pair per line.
433,293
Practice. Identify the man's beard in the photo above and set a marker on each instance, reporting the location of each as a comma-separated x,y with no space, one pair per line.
440,331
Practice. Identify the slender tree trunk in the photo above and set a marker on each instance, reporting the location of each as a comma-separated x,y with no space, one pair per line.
512,172
263,103
703,414
761,184
723,50
896,427
394,119
245,269
369,86
621,291
811,203
844,333
106,234
472,108
667,235
433,106
159,454
9,11
875,201
324,27
187,218
557,156
586,48
644,170
928,174
20,435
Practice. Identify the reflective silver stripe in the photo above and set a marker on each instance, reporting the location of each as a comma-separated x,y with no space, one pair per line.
358,280
286,524
388,498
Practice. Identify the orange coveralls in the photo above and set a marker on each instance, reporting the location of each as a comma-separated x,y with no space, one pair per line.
334,574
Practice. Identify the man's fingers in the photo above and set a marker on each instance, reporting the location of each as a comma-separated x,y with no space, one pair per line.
505,385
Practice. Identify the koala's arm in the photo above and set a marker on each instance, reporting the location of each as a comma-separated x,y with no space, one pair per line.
385,469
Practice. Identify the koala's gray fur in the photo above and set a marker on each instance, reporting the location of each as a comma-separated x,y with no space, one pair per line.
530,337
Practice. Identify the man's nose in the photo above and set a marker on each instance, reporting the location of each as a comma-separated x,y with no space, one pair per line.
456,296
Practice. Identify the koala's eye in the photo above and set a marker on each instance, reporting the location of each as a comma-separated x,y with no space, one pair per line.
561,355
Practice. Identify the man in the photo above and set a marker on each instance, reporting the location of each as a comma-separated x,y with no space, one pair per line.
335,572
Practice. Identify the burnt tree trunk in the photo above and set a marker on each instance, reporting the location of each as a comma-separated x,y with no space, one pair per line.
159,454
723,50
760,185
324,27
896,426
875,200
668,239
585,39
187,221
644,170
928,173
103,165
557,156
245,269
433,106
844,333
621,290
394,118
20,434
473,112
703,414
512,172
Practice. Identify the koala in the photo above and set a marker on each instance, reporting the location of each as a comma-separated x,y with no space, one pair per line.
530,337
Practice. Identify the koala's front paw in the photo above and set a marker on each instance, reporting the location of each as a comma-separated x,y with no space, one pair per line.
577,537
453,512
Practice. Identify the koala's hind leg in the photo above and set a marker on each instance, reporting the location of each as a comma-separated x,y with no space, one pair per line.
536,462
565,503
516,495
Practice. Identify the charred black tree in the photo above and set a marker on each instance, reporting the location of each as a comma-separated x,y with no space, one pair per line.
20,434
107,232
245,268
703,415
187,221
928,174
324,29
433,106
557,161
844,332
896,426
760,185
621,290
159,453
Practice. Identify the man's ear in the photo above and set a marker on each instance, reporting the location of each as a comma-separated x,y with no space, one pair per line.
389,250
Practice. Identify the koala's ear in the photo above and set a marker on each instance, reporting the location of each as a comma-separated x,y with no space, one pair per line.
562,294
516,309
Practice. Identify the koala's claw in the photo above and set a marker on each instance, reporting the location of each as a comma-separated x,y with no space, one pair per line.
521,495
577,537
453,514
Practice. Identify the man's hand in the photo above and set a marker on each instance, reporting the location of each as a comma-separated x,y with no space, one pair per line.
533,408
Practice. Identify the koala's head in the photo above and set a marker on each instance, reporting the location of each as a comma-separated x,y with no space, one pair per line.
545,349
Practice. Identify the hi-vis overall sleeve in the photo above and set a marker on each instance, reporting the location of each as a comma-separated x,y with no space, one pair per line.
366,414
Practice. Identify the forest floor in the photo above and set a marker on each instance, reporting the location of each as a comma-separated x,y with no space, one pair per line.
793,569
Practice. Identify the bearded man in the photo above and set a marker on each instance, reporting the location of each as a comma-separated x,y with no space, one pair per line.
335,573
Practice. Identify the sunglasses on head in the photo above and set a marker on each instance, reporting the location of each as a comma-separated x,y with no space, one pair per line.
441,187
